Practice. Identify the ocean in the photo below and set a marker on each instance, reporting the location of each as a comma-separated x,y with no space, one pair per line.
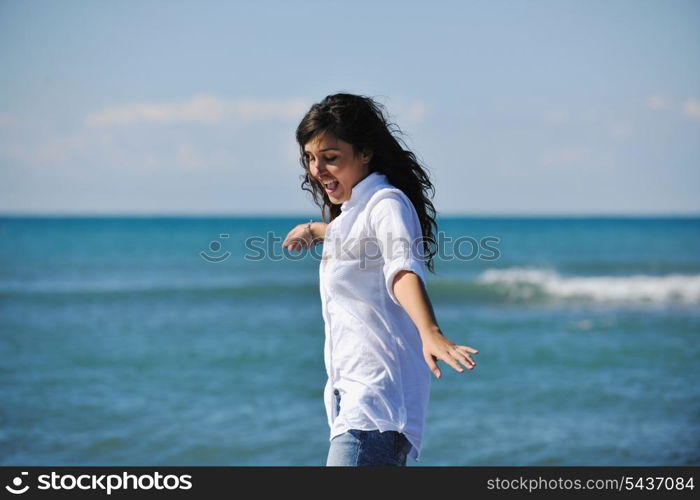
198,341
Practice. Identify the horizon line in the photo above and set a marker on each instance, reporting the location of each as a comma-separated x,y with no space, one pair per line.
303,215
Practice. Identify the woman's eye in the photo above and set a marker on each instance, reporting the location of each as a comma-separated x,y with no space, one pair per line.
308,159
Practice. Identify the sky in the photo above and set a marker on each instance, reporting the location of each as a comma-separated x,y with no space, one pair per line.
190,107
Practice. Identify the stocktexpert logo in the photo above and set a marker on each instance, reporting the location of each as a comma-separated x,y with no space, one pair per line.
106,483
16,487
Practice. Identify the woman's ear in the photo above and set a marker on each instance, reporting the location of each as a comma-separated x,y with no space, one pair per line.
367,155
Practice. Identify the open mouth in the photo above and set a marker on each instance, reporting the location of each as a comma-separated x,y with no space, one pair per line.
330,186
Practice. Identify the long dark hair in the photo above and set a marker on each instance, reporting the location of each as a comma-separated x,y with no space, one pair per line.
362,122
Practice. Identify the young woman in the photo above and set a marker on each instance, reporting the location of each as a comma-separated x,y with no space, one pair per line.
382,340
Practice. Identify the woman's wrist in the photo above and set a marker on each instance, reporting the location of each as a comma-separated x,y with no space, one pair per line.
430,330
316,230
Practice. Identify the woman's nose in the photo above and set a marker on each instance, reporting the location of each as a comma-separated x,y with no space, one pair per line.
317,169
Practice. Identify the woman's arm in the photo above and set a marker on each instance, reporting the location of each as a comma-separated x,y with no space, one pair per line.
318,229
411,293
299,238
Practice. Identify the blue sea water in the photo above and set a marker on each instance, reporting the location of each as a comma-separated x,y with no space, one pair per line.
122,342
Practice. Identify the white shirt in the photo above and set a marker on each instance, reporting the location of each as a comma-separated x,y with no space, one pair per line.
373,352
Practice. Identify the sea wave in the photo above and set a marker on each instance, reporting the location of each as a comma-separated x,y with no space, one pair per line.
506,285
525,283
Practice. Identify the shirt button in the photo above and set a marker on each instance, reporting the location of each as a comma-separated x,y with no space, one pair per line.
336,392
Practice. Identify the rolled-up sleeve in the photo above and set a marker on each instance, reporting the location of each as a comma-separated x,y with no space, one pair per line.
396,227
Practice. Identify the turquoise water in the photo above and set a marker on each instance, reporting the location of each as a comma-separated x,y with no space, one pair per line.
122,345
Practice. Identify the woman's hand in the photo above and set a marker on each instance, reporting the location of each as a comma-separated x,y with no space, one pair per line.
299,238
411,293
437,347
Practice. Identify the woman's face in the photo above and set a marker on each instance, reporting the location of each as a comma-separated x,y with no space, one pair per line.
332,163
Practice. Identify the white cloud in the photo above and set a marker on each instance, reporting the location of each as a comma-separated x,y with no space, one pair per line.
556,116
8,120
591,115
201,108
50,148
403,110
415,111
691,108
188,158
657,102
620,130
562,157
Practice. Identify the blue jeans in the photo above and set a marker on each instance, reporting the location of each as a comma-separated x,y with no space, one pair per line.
367,448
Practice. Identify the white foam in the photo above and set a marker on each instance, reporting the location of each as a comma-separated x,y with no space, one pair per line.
523,282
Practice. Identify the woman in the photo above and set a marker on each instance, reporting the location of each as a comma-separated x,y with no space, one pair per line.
382,339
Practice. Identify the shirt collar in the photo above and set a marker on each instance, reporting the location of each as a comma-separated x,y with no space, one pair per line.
363,190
